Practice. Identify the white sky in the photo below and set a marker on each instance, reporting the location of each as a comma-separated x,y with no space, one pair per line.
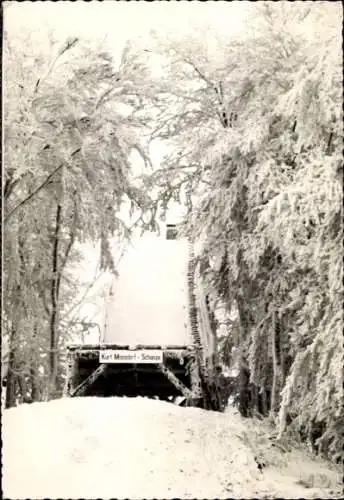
119,21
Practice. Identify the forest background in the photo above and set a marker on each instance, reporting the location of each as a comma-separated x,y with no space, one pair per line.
241,123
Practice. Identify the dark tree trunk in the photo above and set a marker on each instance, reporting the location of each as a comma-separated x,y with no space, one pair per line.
245,399
35,392
255,398
264,403
22,389
34,388
244,391
11,381
13,341
273,401
54,303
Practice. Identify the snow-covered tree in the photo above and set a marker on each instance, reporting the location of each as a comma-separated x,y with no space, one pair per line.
255,135
67,147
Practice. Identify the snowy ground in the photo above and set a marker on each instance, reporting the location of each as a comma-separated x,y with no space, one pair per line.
139,448
151,282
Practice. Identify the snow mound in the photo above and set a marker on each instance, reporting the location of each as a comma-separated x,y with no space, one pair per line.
141,448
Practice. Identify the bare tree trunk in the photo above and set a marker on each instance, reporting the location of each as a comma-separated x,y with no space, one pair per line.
244,372
60,260
54,290
10,383
282,357
22,389
35,392
265,403
12,361
244,396
255,398
35,395
274,365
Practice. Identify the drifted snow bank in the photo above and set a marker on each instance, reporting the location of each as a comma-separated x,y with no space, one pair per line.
139,448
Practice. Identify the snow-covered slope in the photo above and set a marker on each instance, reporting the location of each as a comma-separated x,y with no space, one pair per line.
148,301
139,448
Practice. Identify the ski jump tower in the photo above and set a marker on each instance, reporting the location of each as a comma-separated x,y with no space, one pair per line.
156,339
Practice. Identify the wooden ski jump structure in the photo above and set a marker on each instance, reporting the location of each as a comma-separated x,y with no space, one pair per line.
162,369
